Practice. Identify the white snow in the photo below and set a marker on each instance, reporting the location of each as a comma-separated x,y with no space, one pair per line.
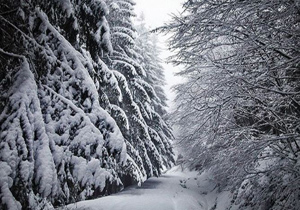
82,77
174,190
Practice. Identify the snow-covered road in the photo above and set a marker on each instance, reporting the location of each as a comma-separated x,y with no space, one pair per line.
172,191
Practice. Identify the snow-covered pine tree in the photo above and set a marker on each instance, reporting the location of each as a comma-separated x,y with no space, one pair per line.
149,50
57,144
160,132
143,142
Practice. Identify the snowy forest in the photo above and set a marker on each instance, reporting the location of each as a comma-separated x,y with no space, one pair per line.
83,111
238,110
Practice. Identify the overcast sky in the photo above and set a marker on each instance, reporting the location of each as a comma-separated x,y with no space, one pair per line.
156,13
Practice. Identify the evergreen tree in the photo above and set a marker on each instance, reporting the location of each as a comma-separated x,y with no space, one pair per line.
138,104
57,143
155,116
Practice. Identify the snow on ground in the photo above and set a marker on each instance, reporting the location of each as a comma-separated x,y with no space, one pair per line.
174,190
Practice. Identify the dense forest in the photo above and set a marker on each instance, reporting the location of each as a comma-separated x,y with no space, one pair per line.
238,111
83,112
83,109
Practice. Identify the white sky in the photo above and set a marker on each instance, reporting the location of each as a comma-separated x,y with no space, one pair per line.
156,13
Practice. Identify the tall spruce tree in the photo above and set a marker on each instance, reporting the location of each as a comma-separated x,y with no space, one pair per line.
57,143
139,103
156,117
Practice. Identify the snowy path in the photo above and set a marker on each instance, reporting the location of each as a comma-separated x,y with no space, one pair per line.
172,191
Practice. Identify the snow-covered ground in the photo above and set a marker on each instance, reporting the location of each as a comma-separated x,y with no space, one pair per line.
175,190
